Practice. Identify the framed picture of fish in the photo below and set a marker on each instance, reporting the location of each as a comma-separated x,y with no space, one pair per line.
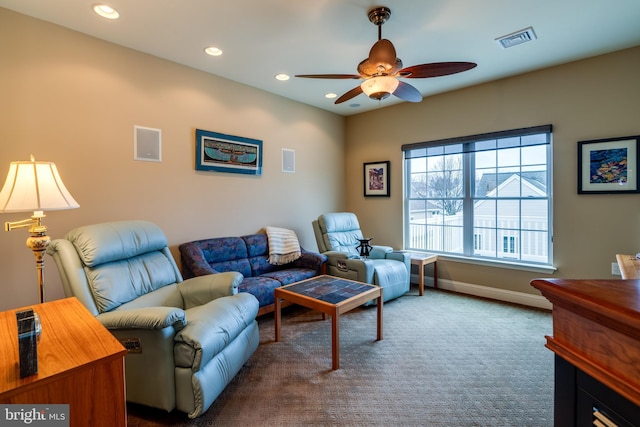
376,179
219,152
607,166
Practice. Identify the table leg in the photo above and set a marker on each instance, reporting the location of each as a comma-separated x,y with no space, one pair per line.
335,340
435,275
380,317
421,279
276,318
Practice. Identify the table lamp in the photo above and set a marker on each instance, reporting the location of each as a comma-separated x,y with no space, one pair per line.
34,186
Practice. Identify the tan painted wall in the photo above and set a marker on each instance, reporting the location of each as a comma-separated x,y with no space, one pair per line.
74,100
589,99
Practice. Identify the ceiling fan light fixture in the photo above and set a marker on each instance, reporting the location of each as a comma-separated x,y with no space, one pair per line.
379,87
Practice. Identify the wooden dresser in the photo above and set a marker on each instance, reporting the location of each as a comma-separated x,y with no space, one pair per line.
79,363
596,339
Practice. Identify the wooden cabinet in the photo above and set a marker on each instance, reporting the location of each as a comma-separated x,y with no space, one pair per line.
596,339
79,363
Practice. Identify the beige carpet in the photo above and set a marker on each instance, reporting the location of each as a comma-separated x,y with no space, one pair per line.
446,360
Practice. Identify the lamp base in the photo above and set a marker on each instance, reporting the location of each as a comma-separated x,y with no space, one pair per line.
37,242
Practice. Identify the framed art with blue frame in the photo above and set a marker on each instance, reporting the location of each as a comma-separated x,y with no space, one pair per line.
220,152
609,165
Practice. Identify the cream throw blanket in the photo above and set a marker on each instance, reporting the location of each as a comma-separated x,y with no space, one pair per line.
283,246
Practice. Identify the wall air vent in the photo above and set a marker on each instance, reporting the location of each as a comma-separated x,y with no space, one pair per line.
517,38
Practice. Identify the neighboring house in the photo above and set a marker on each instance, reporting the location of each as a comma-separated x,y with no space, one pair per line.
503,228
497,227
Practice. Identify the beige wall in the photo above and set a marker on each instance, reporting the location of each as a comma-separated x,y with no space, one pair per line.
74,100
589,99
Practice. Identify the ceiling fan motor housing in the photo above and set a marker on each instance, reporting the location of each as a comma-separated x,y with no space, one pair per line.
379,15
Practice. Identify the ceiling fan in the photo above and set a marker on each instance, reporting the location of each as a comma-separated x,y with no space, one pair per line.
380,71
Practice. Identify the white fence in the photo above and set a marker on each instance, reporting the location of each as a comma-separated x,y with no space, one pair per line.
505,240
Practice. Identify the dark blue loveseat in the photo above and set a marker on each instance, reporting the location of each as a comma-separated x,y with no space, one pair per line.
248,255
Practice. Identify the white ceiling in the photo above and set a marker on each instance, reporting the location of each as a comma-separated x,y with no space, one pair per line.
261,38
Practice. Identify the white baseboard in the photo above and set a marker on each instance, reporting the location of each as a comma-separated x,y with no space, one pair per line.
530,300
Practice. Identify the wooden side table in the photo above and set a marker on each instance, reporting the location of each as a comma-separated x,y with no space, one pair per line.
421,259
79,363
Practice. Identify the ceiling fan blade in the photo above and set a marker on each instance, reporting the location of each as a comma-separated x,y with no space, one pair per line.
407,92
435,69
351,94
329,76
383,54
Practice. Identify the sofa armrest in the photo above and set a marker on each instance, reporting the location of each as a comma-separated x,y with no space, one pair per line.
202,289
144,318
193,261
310,260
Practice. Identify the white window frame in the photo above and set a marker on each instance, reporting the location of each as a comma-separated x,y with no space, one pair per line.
528,245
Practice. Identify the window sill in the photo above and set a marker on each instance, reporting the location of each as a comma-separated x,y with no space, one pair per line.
536,268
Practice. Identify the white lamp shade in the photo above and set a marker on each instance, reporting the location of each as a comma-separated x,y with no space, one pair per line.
380,86
34,186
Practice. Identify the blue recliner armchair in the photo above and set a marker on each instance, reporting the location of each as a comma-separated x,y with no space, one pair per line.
186,339
338,234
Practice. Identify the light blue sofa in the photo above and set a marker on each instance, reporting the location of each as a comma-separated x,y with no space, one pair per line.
186,339
338,234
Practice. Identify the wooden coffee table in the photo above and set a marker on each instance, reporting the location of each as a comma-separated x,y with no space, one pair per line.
331,296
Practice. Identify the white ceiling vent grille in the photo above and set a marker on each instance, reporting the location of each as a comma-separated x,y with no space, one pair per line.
517,38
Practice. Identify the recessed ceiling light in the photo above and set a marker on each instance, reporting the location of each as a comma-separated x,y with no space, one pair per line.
282,77
213,51
105,11
354,105
330,95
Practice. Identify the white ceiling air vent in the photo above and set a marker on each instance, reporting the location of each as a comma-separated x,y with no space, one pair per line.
517,38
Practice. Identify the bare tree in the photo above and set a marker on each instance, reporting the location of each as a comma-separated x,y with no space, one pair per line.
443,186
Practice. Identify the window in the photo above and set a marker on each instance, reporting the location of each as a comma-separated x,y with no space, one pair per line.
484,196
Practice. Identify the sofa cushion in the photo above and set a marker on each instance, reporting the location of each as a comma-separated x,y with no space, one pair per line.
257,244
226,254
211,328
291,275
261,287
258,254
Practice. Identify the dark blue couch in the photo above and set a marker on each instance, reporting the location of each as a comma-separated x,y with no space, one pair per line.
248,255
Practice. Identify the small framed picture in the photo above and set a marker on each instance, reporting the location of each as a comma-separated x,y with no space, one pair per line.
376,179
607,166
